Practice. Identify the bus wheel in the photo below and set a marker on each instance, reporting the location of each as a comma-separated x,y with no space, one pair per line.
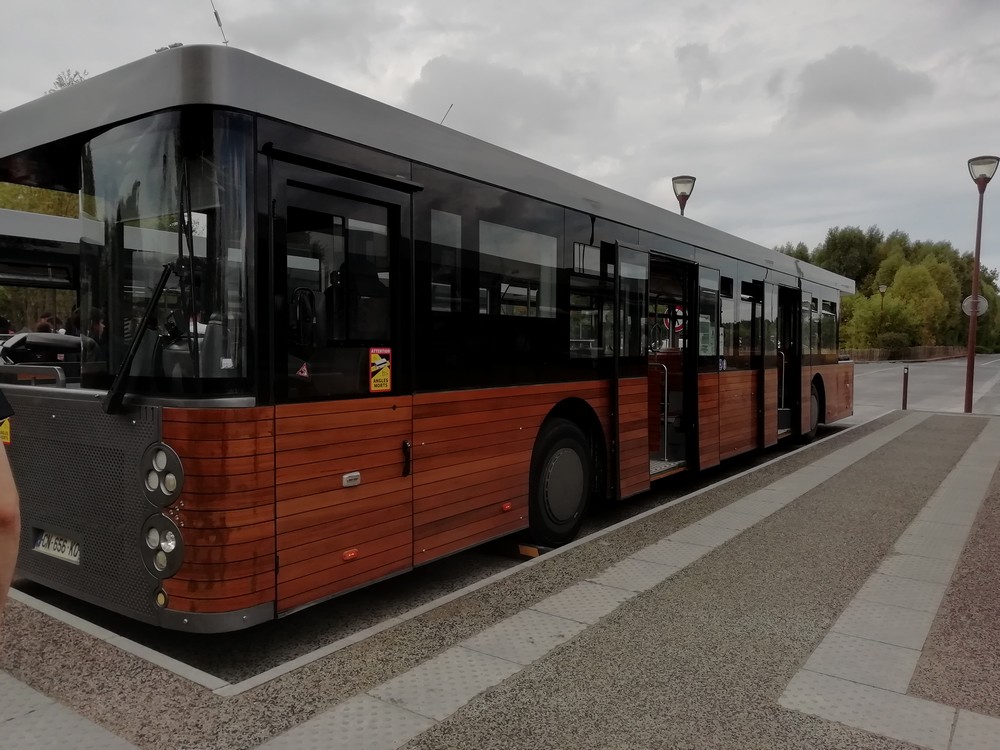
560,483
813,415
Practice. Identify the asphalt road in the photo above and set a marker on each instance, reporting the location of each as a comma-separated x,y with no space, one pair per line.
933,386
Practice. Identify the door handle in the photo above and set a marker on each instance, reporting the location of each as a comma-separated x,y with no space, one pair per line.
407,452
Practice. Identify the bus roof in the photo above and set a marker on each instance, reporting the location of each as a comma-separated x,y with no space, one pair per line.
231,78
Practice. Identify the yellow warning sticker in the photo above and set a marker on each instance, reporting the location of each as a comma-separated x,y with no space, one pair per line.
5,431
381,369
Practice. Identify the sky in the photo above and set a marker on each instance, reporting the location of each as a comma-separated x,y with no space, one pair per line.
794,116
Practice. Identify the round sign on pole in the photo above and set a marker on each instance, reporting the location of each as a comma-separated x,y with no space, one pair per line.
982,307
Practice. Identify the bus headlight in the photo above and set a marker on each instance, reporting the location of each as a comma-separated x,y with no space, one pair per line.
162,475
162,547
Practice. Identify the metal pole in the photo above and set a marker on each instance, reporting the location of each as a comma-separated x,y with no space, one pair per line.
970,360
906,384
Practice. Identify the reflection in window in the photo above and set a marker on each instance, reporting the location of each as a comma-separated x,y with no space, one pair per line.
446,267
708,320
828,329
518,268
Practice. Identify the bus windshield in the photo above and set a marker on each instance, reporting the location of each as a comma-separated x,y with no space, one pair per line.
142,185
137,180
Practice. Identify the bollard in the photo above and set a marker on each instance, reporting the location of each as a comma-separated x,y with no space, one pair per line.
906,384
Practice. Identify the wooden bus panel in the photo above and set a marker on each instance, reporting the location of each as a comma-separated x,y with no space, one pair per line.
226,507
838,382
708,419
633,435
806,415
316,446
737,412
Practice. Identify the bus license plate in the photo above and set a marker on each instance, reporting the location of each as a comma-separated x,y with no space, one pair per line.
57,546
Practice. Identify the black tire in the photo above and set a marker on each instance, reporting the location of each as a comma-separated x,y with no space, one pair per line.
814,404
560,483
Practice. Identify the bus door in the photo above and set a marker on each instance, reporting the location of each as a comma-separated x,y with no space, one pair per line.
342,388
670,364
789,359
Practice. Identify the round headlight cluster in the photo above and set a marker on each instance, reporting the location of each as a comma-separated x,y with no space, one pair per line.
163,546
162,475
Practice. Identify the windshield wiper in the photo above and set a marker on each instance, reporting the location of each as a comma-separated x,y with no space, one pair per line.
112,401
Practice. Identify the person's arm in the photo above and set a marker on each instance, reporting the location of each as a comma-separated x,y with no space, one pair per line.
10,525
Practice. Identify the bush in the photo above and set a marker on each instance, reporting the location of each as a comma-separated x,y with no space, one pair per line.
983,350
895,343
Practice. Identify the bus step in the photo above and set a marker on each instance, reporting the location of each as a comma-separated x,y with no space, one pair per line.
784,419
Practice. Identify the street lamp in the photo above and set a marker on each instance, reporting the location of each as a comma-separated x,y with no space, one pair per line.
683,187
982,169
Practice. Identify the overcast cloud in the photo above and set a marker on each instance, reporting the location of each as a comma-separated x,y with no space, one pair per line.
794,116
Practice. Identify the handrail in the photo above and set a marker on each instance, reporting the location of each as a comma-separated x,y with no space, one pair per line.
666,397
60,374
781,394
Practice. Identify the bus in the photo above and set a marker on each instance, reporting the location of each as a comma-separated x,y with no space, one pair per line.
312,341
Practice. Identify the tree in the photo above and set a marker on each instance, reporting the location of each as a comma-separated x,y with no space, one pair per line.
914,286
799,251
851,252
872,317
67,78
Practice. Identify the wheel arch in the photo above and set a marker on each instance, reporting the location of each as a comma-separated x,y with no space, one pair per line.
820,386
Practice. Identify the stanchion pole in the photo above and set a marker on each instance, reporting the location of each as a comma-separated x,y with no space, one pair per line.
906,384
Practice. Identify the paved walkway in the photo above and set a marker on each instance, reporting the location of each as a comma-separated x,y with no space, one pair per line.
799,605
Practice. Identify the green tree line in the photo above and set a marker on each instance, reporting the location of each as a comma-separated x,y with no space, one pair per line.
924,282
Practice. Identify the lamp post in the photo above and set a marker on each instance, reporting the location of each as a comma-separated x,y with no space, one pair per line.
683,187
982,169
882,288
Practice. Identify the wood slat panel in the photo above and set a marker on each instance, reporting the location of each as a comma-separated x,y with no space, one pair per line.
345,584
423,555
708,419
838,388
225,509
633,424
316,445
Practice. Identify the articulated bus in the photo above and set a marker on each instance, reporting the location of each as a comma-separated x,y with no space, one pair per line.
307,341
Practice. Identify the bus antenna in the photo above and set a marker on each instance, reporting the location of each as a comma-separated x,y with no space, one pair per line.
218,20
446,113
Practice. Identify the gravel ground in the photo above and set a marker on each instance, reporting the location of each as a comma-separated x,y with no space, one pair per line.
960,662
701,660
730,632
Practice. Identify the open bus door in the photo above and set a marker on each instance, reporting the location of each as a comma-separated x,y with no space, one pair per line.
670,365
789,359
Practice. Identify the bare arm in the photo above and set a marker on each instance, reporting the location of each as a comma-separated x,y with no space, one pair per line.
10,525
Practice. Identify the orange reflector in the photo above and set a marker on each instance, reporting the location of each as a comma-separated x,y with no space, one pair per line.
350,554
508,506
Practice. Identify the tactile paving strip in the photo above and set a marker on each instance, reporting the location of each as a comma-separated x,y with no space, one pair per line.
884,623
584,602
863,661
903,592
439,687
707,536
17,699
525,637
884,712
55,726
667,552
635,575
975,732
918,568
361,722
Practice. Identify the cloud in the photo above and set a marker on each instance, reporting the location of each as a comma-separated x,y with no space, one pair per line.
697,64
858,81
775,84
499,104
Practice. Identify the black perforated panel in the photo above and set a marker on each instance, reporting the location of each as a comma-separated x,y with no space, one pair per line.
77,472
